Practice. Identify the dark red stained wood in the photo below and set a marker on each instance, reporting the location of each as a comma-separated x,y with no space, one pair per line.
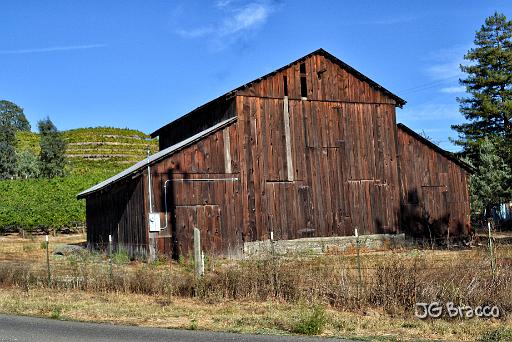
344,148
432,186
119,212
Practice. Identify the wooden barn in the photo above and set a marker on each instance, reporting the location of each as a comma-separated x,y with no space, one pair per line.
309,150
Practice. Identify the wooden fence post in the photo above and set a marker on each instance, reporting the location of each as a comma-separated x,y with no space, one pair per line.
48,259
491,251
198,256
358,261
110,258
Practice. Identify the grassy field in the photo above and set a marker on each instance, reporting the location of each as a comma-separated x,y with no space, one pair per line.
300,295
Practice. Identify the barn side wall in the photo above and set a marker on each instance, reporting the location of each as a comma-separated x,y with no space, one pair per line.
119,212
434,194
203,192
321,164
317,168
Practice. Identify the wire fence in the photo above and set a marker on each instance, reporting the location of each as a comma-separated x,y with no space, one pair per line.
394,278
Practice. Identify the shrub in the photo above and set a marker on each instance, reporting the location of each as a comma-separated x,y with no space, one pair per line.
311,321
56,312
27,165
497,335
120,257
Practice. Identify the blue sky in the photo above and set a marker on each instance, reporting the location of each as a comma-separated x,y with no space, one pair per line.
141,64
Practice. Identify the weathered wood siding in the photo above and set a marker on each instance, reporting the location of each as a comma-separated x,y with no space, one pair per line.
204,192
344,168
297,163
326,81
119,212
195,122
341,153
434,193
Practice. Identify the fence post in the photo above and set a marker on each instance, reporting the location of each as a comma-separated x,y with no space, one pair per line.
48,259
358,262
491,251
198,260
274,266
110,257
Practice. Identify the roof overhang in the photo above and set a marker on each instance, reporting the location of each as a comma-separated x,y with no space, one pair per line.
136,168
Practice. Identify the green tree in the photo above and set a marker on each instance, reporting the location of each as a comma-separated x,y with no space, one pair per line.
12,114
53,148
27,165
11,120
7,152
488,108
490,183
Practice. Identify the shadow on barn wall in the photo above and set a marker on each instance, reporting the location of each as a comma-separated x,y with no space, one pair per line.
418,223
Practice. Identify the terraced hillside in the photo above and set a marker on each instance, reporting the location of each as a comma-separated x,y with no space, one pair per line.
126,146
93,154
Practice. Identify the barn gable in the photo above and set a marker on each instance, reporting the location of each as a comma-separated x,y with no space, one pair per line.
317,76
320,76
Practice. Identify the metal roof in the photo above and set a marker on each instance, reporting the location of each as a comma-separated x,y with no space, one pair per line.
156,157
399,101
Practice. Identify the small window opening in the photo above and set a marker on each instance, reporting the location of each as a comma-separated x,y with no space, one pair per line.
319,73
303,87
302,68
285,85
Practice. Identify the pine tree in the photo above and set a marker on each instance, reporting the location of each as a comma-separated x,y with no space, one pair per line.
486,137
53,147
488,107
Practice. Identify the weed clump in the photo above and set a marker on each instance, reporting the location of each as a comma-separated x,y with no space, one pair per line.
311,321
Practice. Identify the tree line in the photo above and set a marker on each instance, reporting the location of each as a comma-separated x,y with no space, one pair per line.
25,164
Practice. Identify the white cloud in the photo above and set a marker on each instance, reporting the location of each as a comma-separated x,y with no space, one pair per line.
195,33
394,20
53,49
223,3
246,18
430,112
446,63
235,20
453,90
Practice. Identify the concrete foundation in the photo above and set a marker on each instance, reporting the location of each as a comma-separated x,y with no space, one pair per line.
325,245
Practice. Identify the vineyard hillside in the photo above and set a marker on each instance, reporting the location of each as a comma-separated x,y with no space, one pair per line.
92,155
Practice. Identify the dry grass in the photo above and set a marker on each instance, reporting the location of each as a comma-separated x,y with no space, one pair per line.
270,317
264,296
17,248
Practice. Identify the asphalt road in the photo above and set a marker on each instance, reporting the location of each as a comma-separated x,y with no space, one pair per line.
25,329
